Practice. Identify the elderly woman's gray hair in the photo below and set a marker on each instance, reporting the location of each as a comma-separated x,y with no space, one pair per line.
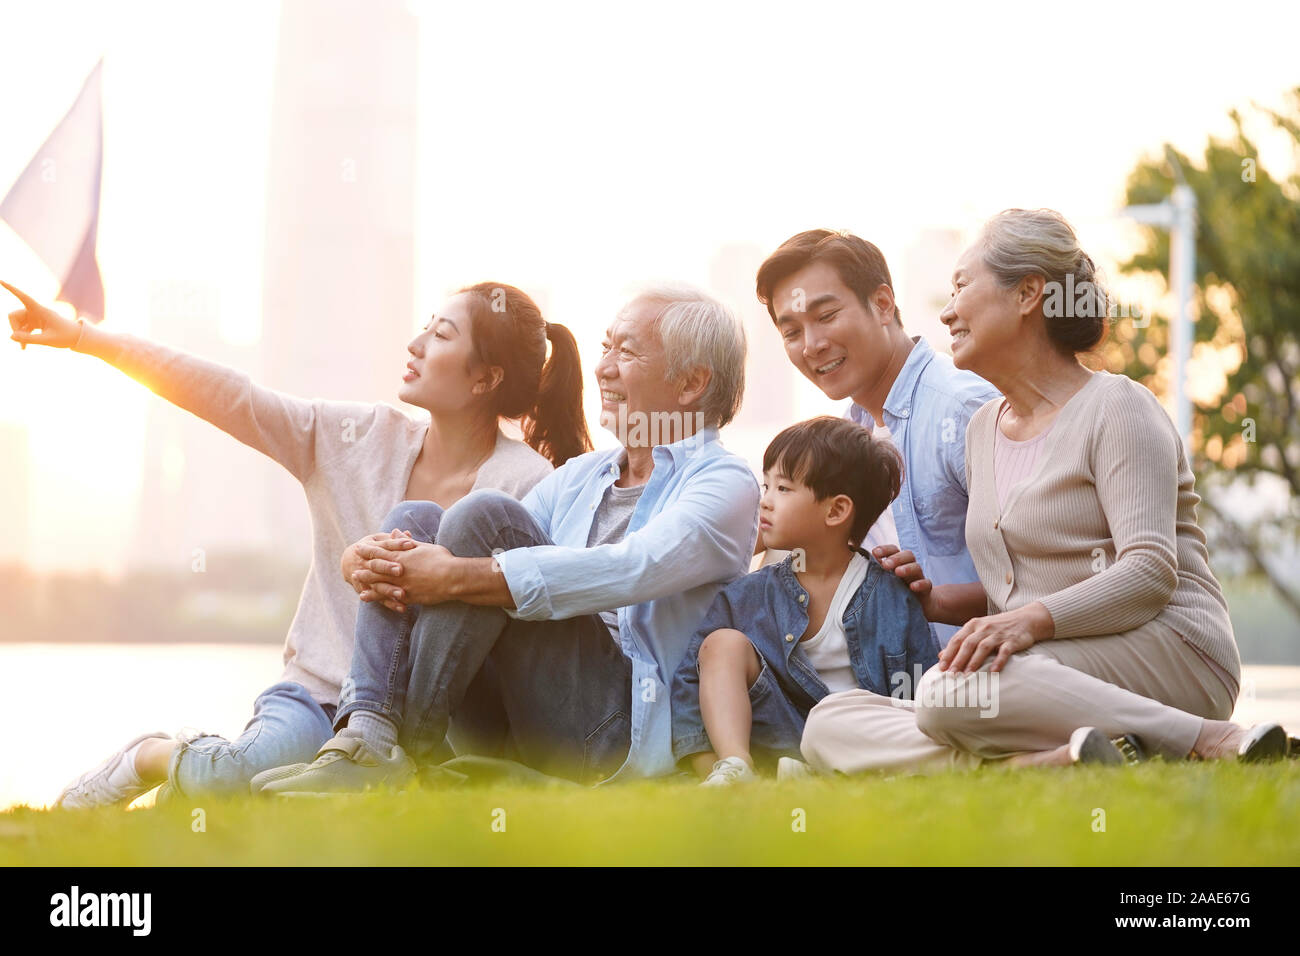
699,331
1023,242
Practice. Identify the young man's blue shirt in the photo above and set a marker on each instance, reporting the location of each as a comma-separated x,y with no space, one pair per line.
889,641
927,411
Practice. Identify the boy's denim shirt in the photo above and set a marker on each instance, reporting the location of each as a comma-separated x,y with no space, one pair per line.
889,640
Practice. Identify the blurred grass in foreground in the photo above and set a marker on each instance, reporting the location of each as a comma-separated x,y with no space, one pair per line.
1155,814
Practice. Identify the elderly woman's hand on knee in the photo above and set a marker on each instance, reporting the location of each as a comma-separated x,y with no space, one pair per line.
1000,635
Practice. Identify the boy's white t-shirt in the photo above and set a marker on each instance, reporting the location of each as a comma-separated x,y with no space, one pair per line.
828,649
884,531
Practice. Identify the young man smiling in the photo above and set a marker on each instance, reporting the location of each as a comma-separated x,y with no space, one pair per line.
832,300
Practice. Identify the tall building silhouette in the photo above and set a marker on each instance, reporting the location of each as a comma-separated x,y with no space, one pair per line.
338,283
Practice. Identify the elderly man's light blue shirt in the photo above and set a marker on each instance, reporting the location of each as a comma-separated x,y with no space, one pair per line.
693,531
926,412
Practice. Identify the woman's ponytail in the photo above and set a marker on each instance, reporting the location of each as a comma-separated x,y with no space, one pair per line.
545,394
556,426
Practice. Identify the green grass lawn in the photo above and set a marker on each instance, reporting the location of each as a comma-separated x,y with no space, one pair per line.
1155,814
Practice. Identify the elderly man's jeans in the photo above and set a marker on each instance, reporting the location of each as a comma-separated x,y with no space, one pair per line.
555,695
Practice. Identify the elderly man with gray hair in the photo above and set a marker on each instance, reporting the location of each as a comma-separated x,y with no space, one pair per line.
546,629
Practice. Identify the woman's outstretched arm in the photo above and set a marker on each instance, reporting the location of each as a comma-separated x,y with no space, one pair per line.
278,425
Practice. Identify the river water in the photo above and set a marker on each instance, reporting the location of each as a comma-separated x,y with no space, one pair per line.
65,707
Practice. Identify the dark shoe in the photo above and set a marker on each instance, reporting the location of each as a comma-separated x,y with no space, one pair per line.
1088,745
1264,742
1130,748
346,765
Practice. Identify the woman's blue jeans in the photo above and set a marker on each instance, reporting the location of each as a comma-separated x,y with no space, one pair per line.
288,726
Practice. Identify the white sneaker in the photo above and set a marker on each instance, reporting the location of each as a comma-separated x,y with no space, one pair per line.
790,768
113,781
727,771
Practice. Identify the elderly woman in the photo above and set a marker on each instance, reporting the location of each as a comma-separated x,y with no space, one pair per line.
553,622
1096,614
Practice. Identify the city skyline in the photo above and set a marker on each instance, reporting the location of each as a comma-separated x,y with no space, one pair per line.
635,182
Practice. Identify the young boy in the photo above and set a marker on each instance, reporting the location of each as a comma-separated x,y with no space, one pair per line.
831,299
828,618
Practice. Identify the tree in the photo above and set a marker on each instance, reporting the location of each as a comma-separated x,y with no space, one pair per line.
1248,313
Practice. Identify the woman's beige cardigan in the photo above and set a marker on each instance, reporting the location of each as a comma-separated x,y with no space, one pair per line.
1103,531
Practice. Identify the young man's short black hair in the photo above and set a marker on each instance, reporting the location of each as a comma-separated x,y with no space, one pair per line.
834,456
859,264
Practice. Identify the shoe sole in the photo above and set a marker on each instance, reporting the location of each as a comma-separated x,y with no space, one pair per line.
1131,748
1264,744
307,795
728,782
389,786
330,794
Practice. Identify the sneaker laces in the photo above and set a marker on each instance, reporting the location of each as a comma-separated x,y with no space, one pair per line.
95,786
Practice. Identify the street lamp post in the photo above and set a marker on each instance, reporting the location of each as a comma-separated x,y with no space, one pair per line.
1178,215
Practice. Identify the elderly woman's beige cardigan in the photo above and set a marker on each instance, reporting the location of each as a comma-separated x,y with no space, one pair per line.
1103,531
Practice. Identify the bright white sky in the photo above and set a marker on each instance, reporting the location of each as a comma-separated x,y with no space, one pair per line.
580,148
